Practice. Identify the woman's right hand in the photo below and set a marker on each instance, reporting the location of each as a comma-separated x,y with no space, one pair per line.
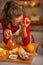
7,34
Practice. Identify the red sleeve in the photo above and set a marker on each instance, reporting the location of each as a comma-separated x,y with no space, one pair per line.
4,26
1,20
26,40
5,40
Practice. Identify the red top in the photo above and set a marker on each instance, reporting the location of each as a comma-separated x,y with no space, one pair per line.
14,29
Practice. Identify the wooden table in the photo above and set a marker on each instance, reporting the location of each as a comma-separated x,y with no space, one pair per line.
29,61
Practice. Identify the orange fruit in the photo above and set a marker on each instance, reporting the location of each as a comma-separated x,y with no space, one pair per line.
30,48
3,52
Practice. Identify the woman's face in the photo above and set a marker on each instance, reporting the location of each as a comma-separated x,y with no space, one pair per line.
17,20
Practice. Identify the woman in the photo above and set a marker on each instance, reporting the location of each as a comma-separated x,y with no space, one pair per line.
13,20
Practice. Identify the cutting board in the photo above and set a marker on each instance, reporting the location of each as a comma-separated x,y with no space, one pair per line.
29,61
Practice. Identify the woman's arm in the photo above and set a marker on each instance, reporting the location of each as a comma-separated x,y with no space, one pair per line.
7,34
26,31
26,37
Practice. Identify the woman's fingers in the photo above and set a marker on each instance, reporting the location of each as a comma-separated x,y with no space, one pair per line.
10,33
27,22
7,33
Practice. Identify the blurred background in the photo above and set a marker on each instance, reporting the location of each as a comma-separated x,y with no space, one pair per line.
34,10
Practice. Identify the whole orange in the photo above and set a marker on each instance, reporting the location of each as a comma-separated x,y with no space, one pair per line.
30,48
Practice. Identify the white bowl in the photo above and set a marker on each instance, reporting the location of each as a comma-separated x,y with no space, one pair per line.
13,56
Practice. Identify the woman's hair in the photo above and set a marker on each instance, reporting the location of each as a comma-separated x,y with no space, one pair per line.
12,10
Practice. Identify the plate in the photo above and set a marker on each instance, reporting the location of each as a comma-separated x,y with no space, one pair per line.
13,56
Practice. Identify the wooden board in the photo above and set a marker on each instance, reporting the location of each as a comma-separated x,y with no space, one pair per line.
6,59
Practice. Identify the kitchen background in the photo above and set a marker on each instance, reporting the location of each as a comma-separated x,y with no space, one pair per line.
34,10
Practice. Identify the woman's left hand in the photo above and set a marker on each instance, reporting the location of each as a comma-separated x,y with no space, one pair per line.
24,23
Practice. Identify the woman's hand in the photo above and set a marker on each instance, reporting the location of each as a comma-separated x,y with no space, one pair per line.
7,33
24,23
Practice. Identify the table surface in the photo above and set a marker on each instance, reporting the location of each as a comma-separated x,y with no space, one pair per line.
29,61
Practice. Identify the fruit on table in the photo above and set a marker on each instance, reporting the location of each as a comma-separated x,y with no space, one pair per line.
30,48
11,45
13,51
3,52
23,54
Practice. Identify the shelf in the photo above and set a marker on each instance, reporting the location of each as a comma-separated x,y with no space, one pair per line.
30,6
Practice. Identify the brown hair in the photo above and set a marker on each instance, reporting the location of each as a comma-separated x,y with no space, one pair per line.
11,10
